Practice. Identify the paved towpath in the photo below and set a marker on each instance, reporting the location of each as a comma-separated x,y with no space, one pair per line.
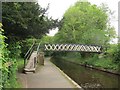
47,76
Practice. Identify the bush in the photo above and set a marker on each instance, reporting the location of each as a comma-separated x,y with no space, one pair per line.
117,55
2,51
8,72
91,60
15,49
111,50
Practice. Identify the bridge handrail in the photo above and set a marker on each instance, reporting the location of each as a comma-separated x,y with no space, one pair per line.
38,47
29,49
27,55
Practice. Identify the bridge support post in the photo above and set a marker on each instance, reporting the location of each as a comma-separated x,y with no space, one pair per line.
41,58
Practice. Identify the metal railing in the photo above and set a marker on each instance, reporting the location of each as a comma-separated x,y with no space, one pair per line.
38,48
29,52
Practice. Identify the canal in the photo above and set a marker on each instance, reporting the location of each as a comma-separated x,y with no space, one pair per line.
87,77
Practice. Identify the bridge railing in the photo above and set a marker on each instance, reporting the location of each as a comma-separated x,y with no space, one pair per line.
73,47
31,58
29,52
38,48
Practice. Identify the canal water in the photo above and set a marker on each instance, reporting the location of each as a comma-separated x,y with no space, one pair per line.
86,77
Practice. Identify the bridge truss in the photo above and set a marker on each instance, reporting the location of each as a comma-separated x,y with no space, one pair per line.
73,47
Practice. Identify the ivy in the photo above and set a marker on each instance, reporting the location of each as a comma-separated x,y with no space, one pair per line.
7,72
2,45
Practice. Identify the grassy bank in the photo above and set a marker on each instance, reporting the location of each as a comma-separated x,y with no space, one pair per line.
95,61
20,65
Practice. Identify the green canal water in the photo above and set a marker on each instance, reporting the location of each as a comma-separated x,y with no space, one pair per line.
86,77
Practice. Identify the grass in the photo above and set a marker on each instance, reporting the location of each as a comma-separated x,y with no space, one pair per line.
20,64
106,63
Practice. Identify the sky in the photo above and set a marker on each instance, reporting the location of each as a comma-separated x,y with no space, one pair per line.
57,9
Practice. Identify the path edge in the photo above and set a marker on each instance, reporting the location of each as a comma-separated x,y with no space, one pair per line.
66,76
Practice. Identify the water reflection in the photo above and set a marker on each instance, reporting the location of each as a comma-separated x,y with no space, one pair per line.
86,77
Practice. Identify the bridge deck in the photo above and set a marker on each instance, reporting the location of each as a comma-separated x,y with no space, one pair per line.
47,76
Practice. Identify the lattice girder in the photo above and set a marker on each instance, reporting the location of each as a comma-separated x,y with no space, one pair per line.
73,47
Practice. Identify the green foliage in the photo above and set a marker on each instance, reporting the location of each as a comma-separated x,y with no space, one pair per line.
85,24
3,59
12,75
25,45
23,20
94,61
15,49
117,55
2,45
106,63
46,39
20,64
111,50
8,72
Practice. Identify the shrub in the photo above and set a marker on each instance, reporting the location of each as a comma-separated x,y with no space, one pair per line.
15,49
8,76
111,50
116,58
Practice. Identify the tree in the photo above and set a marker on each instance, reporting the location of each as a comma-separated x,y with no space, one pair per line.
46,39
23,20
85,24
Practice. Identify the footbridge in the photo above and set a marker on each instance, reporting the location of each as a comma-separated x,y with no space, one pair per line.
73,47
36,52
50,76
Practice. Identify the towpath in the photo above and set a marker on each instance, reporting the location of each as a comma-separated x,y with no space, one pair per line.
47,76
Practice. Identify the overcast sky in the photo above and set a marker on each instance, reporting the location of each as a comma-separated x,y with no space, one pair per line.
57,9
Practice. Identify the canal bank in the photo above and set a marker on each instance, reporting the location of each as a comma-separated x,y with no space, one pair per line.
86,64
97,68
88,77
